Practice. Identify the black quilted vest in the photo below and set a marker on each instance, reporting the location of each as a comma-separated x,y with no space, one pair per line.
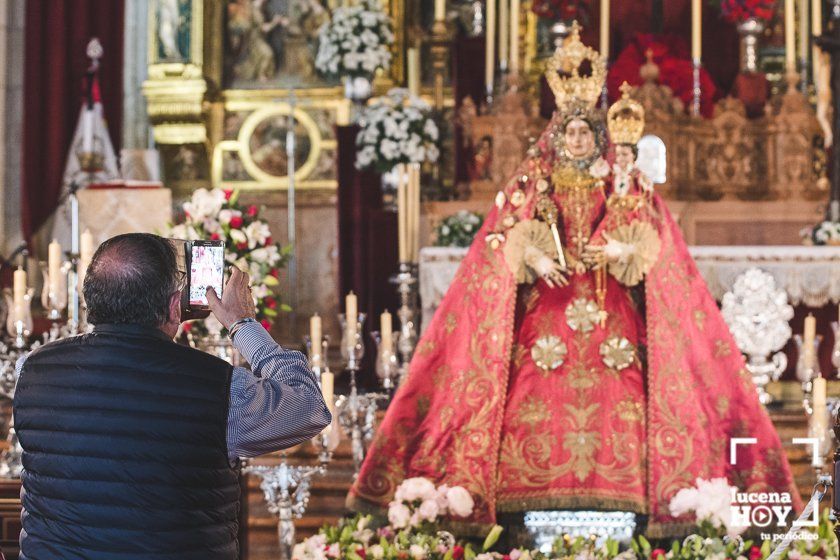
125,453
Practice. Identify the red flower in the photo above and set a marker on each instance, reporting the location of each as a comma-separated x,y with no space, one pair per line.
657,554
266,324
274,272
242,246
228,194
268,241
270,302
737,11
755,553
457,552
214,237
236,222
361,552
187,327
252,211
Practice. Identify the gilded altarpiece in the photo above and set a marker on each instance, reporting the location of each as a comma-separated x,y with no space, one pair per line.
224,78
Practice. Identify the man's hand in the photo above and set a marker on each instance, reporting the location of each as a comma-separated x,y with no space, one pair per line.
237,301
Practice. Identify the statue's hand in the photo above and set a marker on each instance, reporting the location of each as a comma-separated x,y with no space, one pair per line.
551,271
593,256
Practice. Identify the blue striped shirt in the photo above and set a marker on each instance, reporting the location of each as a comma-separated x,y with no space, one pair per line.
274,405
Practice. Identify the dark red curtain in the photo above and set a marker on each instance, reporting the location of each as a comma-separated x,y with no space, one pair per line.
367,244
57,33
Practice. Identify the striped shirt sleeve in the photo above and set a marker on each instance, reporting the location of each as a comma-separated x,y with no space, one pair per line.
276,404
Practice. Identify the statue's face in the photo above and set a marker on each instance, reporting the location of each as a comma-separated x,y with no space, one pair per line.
624,156
580,140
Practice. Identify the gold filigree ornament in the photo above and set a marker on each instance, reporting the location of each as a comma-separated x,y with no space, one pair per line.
517,198
582,315
618,353
549,353
567,73
644,239
524,235
626,119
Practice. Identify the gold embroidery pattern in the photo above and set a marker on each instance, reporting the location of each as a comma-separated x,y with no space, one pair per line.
533,411
549,353
582,315
618,353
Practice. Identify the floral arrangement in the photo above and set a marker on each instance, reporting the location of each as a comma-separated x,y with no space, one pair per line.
459,229
737,11
415,517
562,9
217,215
396,128
824,233
355,42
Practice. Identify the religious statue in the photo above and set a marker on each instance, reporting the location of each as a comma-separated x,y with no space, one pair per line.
578,361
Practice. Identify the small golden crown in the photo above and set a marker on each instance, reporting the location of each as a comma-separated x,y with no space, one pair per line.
626,119
564,69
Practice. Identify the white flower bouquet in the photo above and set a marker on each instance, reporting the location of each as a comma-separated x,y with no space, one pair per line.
824,233
355,42
217,214
396,128
459,229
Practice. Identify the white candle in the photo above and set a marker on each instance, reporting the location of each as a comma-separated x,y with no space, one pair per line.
697,30
86,250
504,31
54,267
490,46
790,37
402,213
351,313
816,31
803,30
808,341
413,56
440,10
414,212
605,29
387,327
514,37
315,336
87,130
328,388
19,291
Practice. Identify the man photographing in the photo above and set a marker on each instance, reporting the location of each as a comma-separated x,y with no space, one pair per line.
131,441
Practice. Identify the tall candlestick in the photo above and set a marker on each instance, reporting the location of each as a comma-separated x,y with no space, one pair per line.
387,328
790,37
819,420
605,29
54,267
19,291
440,10
413,56
810,335
315,337
490,46
819,393
697,30
504,31
351,313
414,212
402,213
514,36
816,31
87,130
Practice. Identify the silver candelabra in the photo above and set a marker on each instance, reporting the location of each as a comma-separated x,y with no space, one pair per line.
406,282
11,458
356,412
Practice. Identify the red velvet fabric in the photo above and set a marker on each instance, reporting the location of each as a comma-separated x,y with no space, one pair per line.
57,33
367,243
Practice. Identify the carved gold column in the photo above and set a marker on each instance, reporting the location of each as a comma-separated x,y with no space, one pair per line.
440,58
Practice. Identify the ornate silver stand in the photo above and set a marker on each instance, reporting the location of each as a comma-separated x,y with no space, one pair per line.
757,313
10,458
287,489
356,412
408,313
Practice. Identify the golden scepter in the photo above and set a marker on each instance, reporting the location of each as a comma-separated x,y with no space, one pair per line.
547,210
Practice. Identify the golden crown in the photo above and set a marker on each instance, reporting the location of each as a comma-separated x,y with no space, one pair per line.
564,70
626,119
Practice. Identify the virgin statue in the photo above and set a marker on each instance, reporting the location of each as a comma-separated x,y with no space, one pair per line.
578,361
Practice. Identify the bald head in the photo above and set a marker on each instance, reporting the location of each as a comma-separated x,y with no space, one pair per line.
131,279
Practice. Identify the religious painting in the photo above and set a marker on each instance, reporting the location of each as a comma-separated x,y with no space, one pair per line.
272,43
173,25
